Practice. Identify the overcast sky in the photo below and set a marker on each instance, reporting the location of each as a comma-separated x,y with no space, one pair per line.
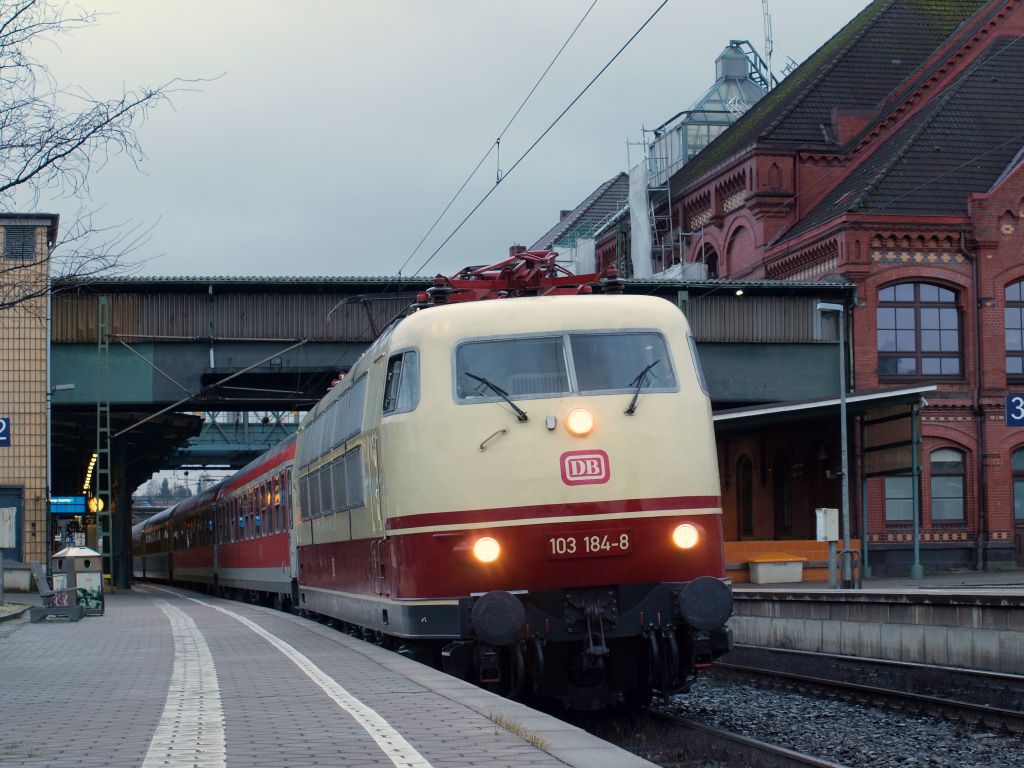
336,131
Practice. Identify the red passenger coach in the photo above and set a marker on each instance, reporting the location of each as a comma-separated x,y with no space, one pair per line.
231,539
252,525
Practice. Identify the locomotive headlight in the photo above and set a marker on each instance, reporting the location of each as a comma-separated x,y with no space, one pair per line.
685,536
579,421
486,549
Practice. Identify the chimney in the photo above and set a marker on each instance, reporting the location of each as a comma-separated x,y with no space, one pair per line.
847,122
563,214
515,250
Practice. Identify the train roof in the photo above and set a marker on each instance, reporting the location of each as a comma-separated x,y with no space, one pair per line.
261,464
159,517
537,314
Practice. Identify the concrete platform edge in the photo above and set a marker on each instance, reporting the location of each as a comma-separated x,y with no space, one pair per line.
567,743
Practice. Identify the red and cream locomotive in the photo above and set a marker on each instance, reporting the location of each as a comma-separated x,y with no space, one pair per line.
523,491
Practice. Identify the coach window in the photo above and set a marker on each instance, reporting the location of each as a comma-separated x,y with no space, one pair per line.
268,523
402,386
1014,319
276,501
947,468
285,479
286,494
899,498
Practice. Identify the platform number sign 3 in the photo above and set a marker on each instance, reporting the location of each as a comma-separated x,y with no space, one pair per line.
1015,410
5,431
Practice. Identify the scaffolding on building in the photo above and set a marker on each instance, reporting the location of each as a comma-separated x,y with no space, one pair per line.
743,77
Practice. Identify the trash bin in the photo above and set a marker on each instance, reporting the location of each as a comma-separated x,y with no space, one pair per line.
80,569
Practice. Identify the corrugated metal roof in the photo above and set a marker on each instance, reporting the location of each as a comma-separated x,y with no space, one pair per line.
736,284
261,279
271,282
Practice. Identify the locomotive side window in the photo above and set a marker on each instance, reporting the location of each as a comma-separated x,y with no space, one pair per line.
354,477
607,362
304,494
339,480
357,399
402,385
312,495
327,503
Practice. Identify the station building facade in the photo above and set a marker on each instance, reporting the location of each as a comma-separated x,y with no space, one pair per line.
24,281
892,159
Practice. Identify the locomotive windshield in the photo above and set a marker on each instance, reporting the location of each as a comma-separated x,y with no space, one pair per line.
549,366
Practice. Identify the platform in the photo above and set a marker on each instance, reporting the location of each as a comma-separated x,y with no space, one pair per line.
174,678
1003,582
970,620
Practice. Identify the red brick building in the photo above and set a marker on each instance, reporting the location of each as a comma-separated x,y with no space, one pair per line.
892,158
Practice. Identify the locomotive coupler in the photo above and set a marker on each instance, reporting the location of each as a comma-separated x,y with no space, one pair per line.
597,649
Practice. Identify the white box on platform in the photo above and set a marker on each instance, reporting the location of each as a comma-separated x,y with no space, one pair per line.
776,568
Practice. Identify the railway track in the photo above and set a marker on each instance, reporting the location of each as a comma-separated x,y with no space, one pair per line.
732,749
993,717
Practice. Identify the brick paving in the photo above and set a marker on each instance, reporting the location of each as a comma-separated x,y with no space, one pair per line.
91,693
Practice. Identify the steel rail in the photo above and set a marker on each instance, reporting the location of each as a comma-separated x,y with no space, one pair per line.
983,674
735,746
991,716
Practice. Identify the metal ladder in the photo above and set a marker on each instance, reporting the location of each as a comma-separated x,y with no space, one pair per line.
101,488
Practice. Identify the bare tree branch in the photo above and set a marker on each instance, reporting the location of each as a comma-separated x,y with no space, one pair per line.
51,139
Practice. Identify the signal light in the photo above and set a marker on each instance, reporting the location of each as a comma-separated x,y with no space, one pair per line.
579,421
486,549
686,536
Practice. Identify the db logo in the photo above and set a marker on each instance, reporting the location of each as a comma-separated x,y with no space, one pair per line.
585,467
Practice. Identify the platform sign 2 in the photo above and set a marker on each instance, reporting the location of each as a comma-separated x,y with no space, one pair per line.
1015,410
5,431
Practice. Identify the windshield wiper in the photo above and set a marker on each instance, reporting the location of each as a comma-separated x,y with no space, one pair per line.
639,381
520,413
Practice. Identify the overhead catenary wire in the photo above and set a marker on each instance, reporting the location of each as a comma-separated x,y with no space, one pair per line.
496,146
541,137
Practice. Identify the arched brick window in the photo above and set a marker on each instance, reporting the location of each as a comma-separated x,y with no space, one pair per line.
709,256
947,470
1013,316
918,332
